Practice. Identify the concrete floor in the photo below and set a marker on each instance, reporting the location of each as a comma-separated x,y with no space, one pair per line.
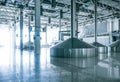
27,67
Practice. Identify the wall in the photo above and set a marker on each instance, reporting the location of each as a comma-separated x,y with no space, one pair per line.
101,28
101,39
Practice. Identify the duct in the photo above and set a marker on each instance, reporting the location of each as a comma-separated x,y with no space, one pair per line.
115,46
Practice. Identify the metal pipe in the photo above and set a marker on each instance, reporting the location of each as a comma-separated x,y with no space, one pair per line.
37,27
95,20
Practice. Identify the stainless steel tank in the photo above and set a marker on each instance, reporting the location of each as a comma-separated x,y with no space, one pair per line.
115,46
100,47
77,48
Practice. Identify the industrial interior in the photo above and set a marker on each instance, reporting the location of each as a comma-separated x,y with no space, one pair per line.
59,41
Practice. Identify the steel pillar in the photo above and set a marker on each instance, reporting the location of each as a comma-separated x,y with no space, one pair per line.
14,34
59,28
29,30
46,35
73,18
95,20
73,21
21,29
76,34
37,27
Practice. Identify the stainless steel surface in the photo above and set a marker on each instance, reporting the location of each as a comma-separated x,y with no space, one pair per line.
76,44
95,7
72,53
96,44
100,47
115,46
72,47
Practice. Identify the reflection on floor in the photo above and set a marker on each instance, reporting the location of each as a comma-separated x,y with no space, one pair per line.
16,66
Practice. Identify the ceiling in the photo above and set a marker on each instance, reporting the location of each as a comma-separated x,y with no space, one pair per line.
9,11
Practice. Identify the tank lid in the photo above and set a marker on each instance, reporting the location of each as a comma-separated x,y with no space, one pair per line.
98,44
116,43
73,43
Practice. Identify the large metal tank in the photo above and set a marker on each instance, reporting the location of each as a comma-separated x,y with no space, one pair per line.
100,47
73,47
115,46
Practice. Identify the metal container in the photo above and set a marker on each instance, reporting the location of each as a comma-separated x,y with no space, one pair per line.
100,47
115,46
72,47
72,53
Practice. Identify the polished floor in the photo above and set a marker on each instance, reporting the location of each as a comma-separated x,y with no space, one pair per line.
16,66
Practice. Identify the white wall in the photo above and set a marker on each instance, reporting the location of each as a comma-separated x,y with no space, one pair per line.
101,39
112,25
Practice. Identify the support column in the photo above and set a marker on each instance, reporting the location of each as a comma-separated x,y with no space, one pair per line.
29,30
60,28
21,29
111,29
95,20
73,21
46,35
14,34
37,27
73,18
76,34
